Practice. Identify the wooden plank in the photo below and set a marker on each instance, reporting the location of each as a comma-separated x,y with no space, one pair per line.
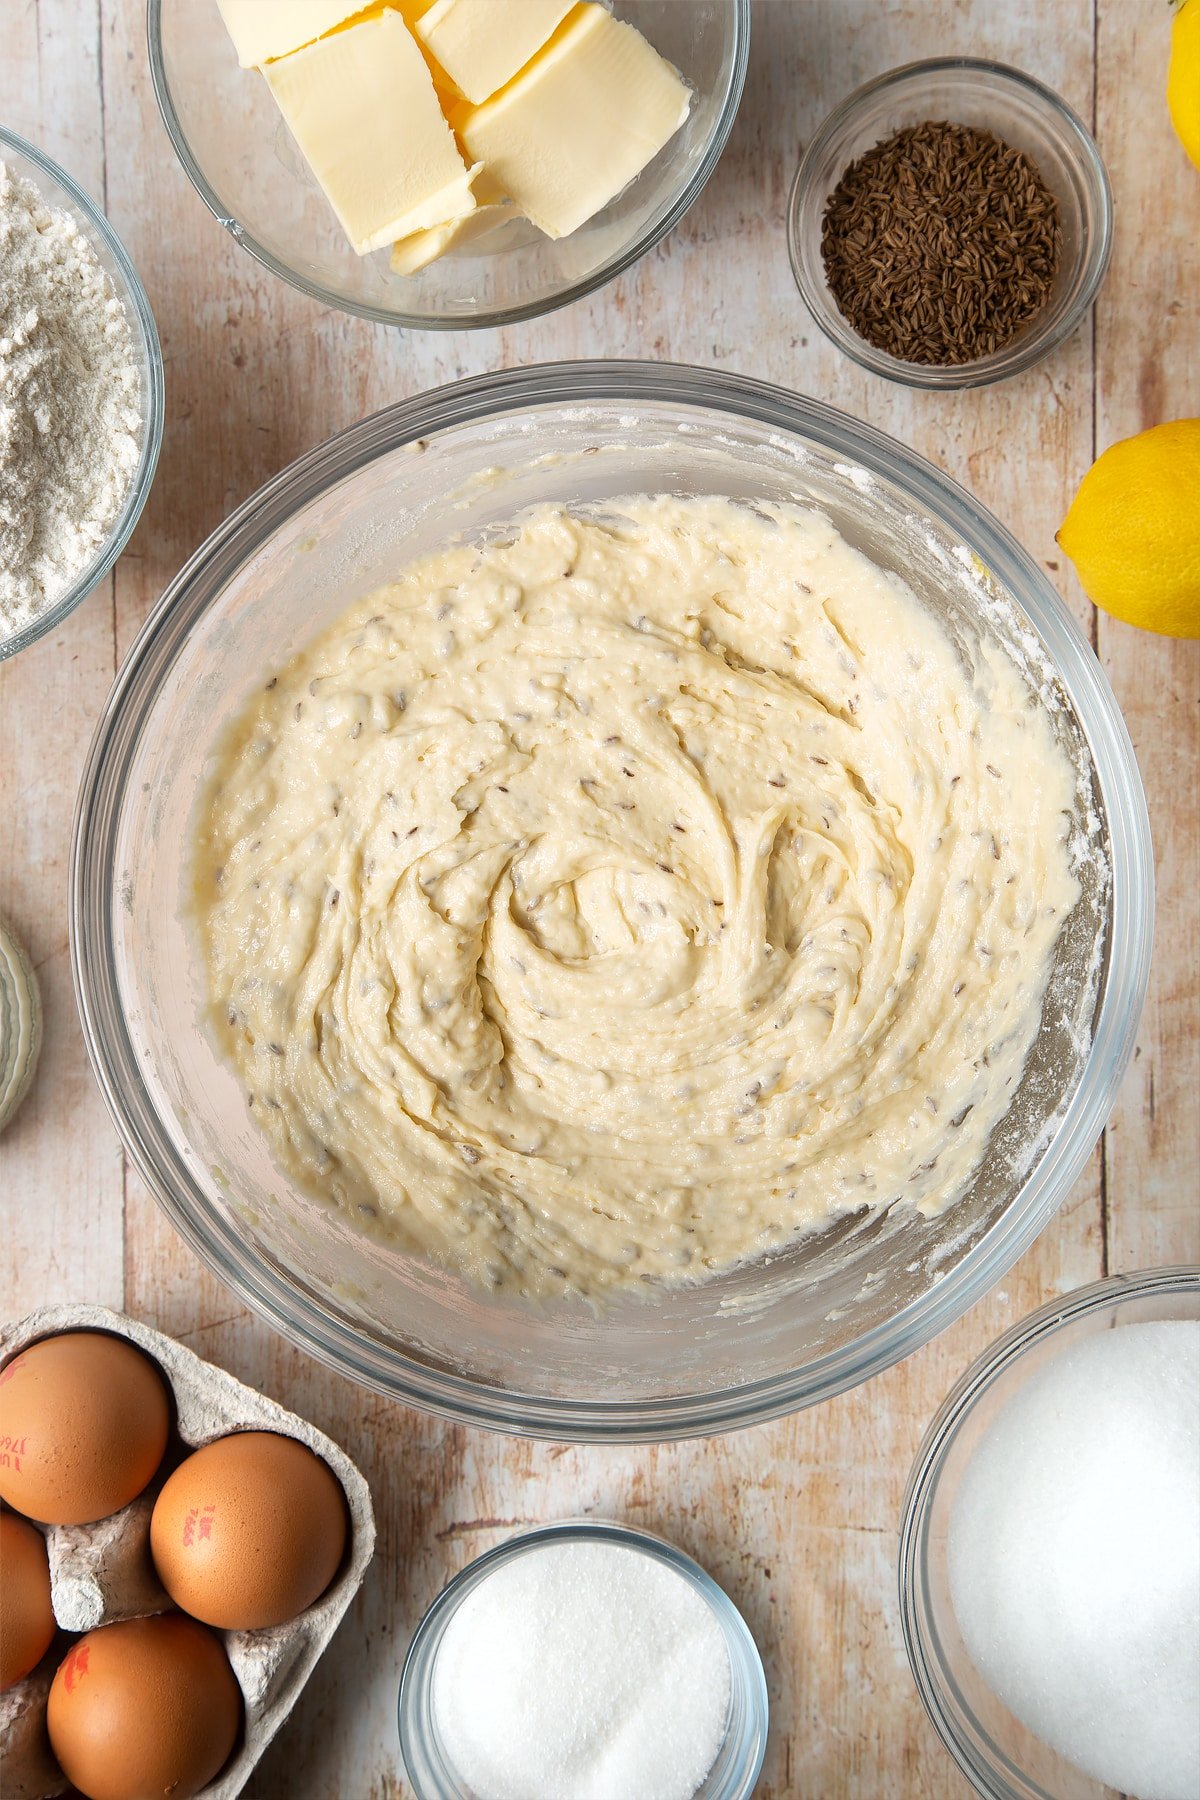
60,1164
1148,339
50,84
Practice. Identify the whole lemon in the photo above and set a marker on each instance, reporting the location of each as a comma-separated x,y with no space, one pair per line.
1183,77
1133,529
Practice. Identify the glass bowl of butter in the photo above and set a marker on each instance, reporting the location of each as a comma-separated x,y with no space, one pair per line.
448,163
599,872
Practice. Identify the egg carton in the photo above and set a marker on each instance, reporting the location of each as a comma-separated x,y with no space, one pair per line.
103,1572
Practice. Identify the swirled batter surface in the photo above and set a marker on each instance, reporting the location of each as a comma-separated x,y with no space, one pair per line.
617,902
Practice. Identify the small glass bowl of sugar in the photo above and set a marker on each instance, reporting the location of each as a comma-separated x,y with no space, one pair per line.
583,1659
1050,1551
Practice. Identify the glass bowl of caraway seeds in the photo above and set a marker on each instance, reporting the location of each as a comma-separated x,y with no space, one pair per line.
950,223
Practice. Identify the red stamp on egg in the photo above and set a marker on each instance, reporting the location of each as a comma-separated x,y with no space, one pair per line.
76,1666
198,1524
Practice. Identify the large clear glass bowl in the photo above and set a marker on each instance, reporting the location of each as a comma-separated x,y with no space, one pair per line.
60,192
242,161
1001,1757
763,1339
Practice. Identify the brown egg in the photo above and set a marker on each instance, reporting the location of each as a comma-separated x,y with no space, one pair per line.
143,1709
249,1530
83,1427
26,1616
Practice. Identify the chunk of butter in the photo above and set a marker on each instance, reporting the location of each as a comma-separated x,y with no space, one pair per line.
362,107
264,29
481,44
420,248
575,126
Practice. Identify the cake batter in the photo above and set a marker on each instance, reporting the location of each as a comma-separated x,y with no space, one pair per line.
616,903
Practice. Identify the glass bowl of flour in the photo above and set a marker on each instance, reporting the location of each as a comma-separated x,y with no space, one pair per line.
592,1093
81,379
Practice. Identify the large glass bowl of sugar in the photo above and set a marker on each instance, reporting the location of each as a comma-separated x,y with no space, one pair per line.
1050,1551
673,1362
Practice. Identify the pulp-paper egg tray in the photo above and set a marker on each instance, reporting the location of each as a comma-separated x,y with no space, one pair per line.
101,1573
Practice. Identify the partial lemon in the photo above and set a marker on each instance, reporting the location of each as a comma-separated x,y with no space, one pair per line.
1183,77
1133,529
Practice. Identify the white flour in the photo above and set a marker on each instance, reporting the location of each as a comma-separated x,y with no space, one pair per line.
69,403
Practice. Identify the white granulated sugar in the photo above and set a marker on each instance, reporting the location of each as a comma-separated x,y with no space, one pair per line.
69,403
1074,1556
582,1672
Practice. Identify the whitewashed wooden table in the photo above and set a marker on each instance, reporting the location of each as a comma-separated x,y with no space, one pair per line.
797,1519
